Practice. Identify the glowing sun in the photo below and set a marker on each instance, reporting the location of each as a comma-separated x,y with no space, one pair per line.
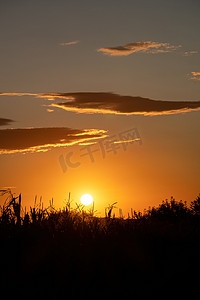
86,199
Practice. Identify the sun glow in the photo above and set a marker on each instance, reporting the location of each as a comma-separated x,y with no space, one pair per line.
86,199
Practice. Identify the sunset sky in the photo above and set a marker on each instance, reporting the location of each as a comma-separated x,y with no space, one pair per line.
100,97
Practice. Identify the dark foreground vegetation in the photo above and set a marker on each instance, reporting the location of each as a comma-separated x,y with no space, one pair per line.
71,253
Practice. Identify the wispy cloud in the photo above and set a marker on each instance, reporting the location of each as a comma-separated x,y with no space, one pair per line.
195,76
144,47
43,139
46,96
18,94
69,43
4,122
50,110
127,141
189,53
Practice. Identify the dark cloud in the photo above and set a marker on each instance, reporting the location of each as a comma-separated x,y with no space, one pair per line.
4,121
44,139
117,104
91,102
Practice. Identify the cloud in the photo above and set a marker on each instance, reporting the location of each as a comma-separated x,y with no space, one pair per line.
144,47
110,103
4,121
44,139
117,104
18,94
69,43
127,141
195,76
189,53
196,73
46,96
50,110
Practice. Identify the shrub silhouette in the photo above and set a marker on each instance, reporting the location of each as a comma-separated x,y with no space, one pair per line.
169,210
195,206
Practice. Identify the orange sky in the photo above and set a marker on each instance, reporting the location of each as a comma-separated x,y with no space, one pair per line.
89,71
165,164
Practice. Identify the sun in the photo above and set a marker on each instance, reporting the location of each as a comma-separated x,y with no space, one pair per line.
86,199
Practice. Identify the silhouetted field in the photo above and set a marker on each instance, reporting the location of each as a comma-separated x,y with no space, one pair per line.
49,252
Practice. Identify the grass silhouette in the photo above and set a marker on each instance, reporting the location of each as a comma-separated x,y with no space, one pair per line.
46,251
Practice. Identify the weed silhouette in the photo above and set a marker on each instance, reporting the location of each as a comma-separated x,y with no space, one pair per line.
57,252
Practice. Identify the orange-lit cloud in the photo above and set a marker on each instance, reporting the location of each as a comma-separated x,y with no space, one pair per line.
44,139
127,141
189,53
18,94
117,104
46,96
110,103
195,76
145,47
69,43
50,110
4,121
